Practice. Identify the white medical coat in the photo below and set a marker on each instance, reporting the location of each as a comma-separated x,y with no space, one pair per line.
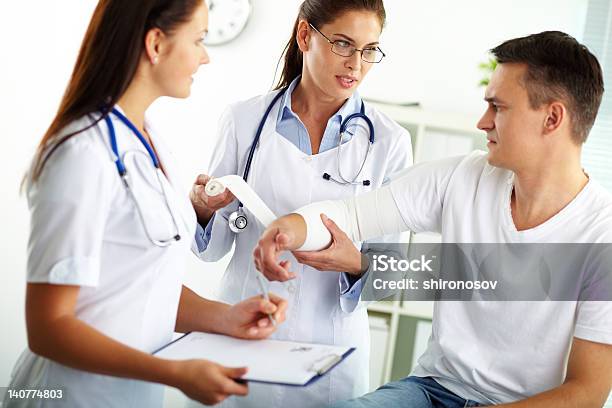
286,178
85,231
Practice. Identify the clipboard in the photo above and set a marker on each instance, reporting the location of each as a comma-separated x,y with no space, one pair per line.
269,361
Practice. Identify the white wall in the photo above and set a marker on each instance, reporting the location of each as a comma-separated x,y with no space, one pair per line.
433,47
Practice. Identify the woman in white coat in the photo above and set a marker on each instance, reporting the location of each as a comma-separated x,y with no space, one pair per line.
333,46
105,256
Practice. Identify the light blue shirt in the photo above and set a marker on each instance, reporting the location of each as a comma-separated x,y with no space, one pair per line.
289,125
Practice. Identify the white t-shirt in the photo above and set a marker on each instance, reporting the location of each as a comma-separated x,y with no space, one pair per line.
498,352
487,351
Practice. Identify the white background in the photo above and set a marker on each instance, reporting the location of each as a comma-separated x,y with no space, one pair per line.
433,48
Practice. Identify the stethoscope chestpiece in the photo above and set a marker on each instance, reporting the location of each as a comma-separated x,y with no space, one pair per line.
238,221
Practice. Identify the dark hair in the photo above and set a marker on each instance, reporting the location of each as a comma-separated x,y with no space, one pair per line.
319,13
558,68
107,61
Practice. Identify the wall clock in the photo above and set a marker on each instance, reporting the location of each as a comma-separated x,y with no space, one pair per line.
226,20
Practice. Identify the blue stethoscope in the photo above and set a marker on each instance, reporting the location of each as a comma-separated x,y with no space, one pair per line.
238,220
123,173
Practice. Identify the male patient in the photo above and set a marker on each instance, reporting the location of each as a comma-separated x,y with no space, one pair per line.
529,188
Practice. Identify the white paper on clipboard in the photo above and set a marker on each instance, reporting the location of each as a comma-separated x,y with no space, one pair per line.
270,361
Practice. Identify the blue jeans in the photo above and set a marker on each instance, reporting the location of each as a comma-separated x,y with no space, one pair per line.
410,392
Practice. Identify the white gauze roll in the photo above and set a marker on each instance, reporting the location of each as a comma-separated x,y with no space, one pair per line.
244,193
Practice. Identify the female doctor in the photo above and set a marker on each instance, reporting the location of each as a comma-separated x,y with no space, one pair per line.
295,160
105,255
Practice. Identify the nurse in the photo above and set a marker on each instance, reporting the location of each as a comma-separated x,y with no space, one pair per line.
333,46
110,227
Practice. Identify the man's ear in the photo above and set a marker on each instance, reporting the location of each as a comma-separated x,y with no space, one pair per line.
556,113
154,45
302,35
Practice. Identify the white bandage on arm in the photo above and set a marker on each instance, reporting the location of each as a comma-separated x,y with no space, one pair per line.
369,215
317,235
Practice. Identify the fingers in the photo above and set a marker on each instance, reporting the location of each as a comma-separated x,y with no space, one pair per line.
267,256
200,197
218,201
229,386
234,372
282,241
212,383
331,225
260,309
281,307
202,179
261,305
256,259
315,258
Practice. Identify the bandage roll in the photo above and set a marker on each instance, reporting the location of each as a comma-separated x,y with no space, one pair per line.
244,193
317,235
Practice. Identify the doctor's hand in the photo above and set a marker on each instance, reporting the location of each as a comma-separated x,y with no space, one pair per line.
249,318
204,205
208,382
340,256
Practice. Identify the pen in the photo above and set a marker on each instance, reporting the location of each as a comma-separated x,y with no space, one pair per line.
264,293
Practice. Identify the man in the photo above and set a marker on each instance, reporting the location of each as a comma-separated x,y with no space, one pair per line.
530,188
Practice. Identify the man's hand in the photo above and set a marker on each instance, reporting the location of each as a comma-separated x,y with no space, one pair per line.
265,254
204,205
340,256
249,318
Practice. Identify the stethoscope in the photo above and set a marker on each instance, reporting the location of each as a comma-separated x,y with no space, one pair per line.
123,173
238,220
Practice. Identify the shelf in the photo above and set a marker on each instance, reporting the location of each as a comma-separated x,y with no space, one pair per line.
384,307
414,115
420,309
434,135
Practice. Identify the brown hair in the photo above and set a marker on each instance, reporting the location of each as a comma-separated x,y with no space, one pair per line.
107,61
319,13
558,68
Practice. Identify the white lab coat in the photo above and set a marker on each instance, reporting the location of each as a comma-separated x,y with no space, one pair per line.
286,178
85,232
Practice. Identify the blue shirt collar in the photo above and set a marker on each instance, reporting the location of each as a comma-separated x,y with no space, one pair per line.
352,105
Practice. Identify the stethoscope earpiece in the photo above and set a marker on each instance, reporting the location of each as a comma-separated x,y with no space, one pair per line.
328,177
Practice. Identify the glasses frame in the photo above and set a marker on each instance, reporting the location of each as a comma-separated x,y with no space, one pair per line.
355,49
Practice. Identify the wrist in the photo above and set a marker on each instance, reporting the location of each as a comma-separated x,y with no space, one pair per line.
171,372
204,214
222,318
287,225
360,266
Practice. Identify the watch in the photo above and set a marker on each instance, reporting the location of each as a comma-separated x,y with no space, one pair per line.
227,19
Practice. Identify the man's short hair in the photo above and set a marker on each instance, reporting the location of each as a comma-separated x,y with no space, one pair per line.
558,68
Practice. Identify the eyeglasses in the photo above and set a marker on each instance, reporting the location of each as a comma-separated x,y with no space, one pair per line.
371,55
